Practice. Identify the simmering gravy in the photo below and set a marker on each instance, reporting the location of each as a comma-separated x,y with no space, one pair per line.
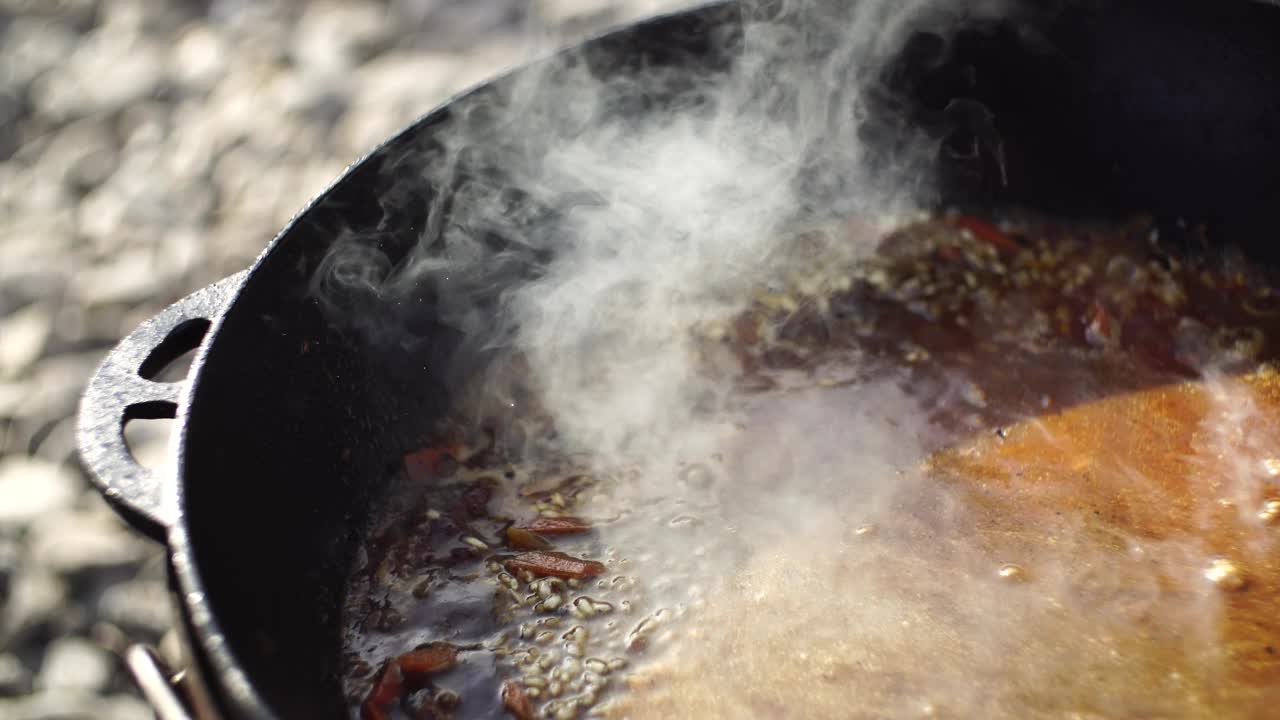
1028,470
1101,562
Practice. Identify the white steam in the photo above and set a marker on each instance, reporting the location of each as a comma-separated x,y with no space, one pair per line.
691,209
593,220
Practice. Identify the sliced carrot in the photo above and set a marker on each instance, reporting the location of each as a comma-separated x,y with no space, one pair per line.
387,688
430,658
558,526
988,233
555,564
523,539
516,701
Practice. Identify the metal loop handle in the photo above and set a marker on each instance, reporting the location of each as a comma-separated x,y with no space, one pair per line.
122,390
158,685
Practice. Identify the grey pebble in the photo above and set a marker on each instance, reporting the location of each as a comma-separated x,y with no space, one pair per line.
54,386
73,663
128,278
198,56
23,334
9,559
79,87
32,45
76,542
37,604
55,442
79,705
15,679
11,397
334,36
137,607
33,488
391,91
82,154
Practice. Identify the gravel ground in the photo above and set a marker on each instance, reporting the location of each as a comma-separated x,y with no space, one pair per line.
148,148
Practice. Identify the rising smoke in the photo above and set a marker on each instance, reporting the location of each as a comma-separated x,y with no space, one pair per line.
593,219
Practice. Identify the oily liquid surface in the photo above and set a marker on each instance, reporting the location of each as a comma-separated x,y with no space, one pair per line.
1054,572
1001,473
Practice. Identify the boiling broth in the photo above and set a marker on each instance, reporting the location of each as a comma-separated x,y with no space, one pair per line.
1016,470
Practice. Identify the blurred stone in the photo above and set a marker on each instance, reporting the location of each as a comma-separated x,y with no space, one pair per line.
11,397
459,26
55,387
193,142
82,154
101,216
40,193
78,705
236,106
183,251
559,13
198,57
170,649
37,246
32,488
76,542
317,101
9,557
79,12
37,601
332,36
240,239
390,92
11,108
23,335
137,607
129,277
14,678
130,16
250,188
30,46
109,637
143,127
72,664
106,71
126,707
57,443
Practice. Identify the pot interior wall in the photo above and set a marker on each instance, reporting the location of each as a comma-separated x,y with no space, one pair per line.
299,416
1165,107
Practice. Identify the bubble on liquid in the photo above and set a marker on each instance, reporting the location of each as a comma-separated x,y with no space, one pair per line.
864,530
697,476
1011,572
1270,512
684,521
1271,467
1240,344
974,394
1226,574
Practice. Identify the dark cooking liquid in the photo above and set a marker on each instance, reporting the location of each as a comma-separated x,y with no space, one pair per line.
981,327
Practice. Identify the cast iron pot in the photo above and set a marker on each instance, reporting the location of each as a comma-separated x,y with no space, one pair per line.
290,415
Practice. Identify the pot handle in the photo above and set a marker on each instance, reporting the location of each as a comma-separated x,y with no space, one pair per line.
123,389
161,688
